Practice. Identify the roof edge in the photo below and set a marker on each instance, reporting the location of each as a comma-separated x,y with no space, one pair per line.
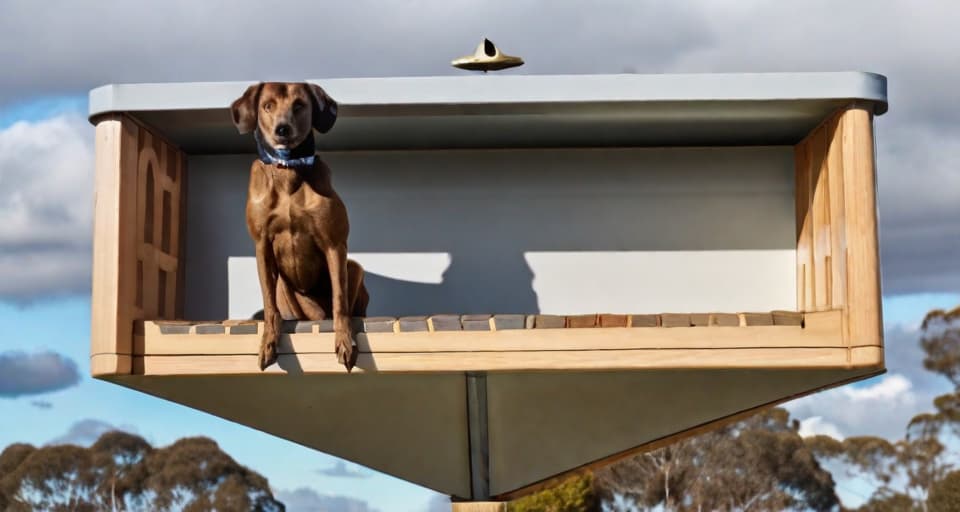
506,89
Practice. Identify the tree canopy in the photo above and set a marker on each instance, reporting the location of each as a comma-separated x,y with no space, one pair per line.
121,471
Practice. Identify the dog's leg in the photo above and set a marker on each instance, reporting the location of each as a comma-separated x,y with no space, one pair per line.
337,265
267,270
356,292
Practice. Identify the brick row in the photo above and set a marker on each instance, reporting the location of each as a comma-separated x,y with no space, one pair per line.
448,322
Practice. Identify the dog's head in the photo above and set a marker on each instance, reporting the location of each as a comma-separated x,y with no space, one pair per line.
285,113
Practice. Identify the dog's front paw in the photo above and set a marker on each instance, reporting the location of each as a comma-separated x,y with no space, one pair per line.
346,350
268,352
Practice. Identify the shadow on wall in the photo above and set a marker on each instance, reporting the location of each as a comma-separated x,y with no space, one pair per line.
527,230
507,290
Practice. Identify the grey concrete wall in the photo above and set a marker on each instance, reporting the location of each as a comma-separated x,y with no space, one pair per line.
558,231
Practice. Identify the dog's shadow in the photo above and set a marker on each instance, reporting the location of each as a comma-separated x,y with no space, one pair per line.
472,284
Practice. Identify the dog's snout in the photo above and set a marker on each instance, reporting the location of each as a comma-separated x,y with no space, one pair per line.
282,130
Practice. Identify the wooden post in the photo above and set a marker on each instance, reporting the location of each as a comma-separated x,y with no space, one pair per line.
838,264
138,238
114,251
480,506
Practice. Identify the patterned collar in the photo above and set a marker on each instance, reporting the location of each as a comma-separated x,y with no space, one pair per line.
300,157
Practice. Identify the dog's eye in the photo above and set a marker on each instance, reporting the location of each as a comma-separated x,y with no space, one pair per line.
297,105
267,107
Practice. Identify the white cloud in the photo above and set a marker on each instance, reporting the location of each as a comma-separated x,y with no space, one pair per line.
890,388
816,425
46,203
882,405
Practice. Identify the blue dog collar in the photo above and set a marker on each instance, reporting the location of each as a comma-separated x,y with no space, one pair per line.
300,157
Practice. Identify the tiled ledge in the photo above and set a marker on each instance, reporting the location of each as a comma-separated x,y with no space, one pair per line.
445,323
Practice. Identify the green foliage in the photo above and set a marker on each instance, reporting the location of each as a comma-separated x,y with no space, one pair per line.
761,463
122,472
945,494
572,495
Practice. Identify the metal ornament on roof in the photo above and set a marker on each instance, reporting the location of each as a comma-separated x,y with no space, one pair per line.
487,57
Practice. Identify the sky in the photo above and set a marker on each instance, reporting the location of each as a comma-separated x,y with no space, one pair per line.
54,52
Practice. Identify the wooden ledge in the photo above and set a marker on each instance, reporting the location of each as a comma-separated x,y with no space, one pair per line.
447,343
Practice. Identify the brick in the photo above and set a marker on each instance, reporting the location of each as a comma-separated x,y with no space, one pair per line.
509,322
700,319
249,328
549,322
175,327
787,318
581,321
377,324
413,324
725,320
613,320
305,326
758,318
445,322
675,320
209,329
475,322
645,320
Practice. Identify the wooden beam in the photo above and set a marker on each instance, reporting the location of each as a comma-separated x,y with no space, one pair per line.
556,360
479,506
114,250
865,323
837,243
822,329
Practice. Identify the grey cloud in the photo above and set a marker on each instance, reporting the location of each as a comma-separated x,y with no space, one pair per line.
181,40
340,470
86,432
41,404
46,203
305,499
24,374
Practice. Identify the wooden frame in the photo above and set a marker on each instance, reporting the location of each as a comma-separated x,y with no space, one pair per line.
838,264
137,282
136,272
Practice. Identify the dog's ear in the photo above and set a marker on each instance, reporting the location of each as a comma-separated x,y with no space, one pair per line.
244,109
324,109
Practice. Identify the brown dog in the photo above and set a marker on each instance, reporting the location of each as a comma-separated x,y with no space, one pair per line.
297,221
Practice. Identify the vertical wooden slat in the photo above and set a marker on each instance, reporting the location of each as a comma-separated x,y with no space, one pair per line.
820,221
838,242
147,169
180,232
804,234
114,246
863,283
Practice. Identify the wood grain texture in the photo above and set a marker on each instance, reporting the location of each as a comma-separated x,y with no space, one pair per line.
138,231
479,506
114,271
837,242
553,360
822,329
863,260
